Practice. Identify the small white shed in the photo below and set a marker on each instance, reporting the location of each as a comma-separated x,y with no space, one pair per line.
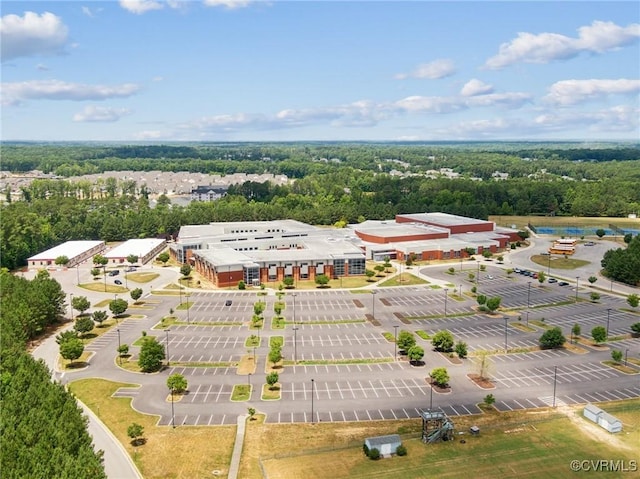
609,422
602,418
387,445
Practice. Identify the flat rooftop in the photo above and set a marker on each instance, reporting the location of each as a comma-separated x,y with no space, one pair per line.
444,219
70,249
138,247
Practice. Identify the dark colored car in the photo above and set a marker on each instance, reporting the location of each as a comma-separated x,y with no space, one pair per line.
553,280
228,302
117,281
115,272
563,283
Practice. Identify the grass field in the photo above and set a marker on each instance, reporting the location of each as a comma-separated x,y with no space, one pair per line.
522,444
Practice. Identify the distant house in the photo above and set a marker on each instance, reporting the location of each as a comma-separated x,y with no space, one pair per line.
387,445
208,193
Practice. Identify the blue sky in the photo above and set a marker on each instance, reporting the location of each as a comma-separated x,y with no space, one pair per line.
236,70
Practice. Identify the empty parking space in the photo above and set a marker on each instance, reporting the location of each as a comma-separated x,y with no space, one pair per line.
567,373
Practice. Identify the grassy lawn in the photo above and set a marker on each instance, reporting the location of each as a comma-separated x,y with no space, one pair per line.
525,445
99,287
270,393
241,392
183,452
564,221
407,280
247,364
184,305
142,277
252,341
557,262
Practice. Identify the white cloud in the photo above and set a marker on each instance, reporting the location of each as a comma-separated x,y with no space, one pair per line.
93,113
15,93
508,100
569,92
32,35
621,118
598,37
430,104
434,70
230,4
149,135
41,67
476,87
140,6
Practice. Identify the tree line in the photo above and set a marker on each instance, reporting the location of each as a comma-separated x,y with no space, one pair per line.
43,430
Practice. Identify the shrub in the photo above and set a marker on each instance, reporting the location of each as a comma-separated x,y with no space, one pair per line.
374,454
401,450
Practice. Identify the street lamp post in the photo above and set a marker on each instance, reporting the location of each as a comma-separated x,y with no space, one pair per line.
445,301
295,344
555,377
506,349
577,280
478,275
626,351
71,304
312,393
294,309
166,345
173,417
119,353
529,295
395,343
373,304
608,317
527,318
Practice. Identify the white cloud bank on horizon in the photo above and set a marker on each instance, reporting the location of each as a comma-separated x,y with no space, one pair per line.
94,113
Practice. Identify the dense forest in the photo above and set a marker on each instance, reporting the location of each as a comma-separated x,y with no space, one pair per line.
42,430
334,183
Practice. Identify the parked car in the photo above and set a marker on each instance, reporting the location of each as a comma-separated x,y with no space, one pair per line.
228,302
115,272
552,280
517,270
129,269
489,277
117,281
563,283
534,275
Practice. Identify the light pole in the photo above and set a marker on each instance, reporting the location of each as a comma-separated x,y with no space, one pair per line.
577,280
173,417
294,309
549,267
395,343
188,308
626,351
461,291
119,353
528,294
71,304
527,318
506,349
445,301
608,317
555,377
373,304
166,345
312,393
295,344
478,275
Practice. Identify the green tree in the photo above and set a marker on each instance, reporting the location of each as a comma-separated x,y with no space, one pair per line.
132,258
415,353
71,349
185,270
100,260
379,268
633,300
80,303
135,431
541,277
616,355
552,338
272,379
405,340
369,274
443,341
252,412
288,282
136,294
177,383
461,349
600,233
599,334
163,257
481,299
123,350
118,306
242,285
275,355
440,377
595,297
493,303
322,280
84,325
489,400
95,272
627,238
99,317
62,260
151,355
374,454
635,328
575,331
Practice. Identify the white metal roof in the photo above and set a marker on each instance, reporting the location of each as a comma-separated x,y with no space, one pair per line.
138,247
70,249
